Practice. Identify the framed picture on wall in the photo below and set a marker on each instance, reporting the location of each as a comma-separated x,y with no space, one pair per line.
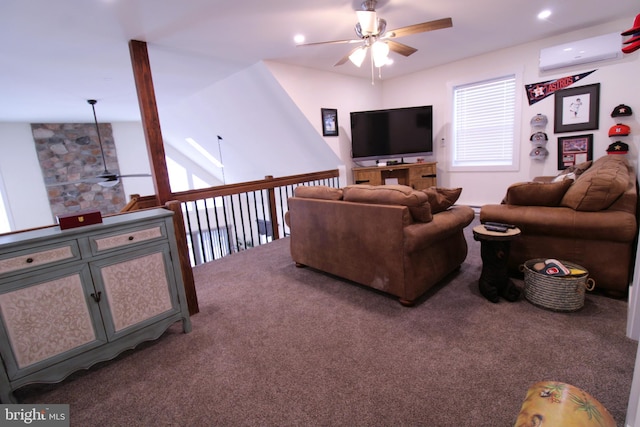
577,108
573,150
329,121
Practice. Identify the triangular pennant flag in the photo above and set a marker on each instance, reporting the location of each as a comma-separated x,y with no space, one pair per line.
539,91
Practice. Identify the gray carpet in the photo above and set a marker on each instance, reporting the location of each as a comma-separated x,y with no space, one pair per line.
275,345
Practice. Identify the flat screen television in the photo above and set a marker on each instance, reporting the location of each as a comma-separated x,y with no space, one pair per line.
392,133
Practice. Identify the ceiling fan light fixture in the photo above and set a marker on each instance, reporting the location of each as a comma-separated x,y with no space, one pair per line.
380,53
368,22
109,184
357,57
109,179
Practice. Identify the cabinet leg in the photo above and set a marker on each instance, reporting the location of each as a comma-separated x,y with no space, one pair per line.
186,325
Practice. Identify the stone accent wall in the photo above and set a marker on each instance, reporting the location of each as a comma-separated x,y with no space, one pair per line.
70,153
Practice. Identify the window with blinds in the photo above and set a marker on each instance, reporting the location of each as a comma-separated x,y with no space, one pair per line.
484,124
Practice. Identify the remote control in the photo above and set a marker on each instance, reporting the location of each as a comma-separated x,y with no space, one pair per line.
499,224
496,228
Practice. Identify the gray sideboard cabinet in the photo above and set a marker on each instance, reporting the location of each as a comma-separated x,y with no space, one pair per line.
72,298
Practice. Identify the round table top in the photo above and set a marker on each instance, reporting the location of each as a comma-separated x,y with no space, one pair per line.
480,232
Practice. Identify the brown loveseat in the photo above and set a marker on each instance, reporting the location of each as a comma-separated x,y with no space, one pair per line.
386,237
590,221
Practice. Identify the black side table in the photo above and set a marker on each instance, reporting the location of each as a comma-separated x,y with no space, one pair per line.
494,249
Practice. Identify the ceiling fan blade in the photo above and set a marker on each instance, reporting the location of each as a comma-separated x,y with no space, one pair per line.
330,42
99,179
438,24
346,57
95,180
400,48
133,175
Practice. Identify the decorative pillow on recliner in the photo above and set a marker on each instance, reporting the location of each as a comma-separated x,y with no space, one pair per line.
442,199
403,195
599,186
573,172
537,193
318,192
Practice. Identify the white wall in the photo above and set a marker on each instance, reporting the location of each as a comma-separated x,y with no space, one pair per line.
312,90
133,157
263,131
26,196
618,85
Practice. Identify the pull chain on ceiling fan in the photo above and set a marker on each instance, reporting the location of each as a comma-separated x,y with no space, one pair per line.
110,179
373,36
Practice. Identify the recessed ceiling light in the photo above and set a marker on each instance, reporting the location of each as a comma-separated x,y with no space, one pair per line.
298,38
544,14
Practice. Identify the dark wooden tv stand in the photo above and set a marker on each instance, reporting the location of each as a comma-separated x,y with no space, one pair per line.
416,175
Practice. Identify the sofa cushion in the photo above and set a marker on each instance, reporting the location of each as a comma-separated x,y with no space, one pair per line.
573,172
537,193
416,201
599,186
442,199
318,192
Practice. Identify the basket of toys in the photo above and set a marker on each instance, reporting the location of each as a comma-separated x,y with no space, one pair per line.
556,285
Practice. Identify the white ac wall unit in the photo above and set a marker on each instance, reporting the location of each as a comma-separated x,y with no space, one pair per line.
583,51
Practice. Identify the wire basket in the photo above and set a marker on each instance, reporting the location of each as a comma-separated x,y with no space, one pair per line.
553,292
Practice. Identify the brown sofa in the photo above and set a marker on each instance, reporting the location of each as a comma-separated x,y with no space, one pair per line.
585,215
385,237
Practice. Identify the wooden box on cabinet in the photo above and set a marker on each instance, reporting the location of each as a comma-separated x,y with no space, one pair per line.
416,175
72,298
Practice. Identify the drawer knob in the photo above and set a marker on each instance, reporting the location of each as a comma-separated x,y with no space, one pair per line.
96,297
131,238
29,260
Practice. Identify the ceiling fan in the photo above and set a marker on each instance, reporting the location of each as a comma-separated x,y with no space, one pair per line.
373,35
105,178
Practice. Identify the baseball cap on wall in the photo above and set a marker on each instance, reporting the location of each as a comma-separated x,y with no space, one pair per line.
538,137
618,147
619,130
632,39
634,29
539,121
631,47
621,110
539,153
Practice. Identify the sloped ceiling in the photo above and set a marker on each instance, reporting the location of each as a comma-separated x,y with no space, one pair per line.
57,54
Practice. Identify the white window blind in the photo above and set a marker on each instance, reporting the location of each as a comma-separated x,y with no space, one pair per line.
484,123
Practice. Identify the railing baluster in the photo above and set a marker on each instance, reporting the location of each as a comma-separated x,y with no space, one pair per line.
265,200
185,214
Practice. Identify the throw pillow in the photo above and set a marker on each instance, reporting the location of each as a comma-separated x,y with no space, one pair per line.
442,199
600,186
403,195
318,192
573,172
537,193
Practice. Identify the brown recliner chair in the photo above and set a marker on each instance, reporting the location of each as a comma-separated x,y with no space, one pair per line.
384,237
590,221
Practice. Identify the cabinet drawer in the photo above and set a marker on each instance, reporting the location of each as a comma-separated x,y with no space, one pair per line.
367,177
38,257
423,171
132,237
